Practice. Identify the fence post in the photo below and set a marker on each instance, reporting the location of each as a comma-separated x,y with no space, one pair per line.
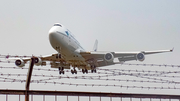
28,80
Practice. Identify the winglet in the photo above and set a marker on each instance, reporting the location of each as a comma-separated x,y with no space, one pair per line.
95,45
172,49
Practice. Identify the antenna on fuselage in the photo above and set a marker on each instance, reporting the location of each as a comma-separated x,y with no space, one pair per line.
95,45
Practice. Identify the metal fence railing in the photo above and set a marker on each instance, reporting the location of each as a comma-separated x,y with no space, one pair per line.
36,95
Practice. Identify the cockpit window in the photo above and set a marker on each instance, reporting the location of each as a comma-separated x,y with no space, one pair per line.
57,25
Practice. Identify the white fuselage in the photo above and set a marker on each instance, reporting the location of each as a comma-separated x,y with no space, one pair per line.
64,43
70,53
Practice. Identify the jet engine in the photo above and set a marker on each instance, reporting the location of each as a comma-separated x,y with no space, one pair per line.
140,56
38,61
109,57
19,63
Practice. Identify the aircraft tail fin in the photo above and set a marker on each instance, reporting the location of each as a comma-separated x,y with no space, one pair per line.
95,45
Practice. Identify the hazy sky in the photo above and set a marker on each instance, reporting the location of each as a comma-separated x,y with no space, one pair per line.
119,25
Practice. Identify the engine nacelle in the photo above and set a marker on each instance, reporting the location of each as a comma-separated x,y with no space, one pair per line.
38,61
140,56
19,63
109,57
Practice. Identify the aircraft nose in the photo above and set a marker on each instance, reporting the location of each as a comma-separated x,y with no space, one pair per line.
53,36
52,33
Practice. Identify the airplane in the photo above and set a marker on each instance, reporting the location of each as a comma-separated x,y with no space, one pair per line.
71,55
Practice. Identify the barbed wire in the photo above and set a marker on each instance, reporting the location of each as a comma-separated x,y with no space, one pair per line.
129,64
143,71
120,73
6,61
141,75
158,73
158,65
14,56
99,85
112,70
51,77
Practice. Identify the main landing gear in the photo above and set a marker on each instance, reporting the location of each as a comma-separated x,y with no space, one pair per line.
73,71
84,71
61,70
93,69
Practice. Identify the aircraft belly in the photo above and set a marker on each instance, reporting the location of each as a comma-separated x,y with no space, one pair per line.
62,42
77,61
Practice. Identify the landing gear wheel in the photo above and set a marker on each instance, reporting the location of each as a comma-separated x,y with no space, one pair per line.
75,71
83,71
58,56
61,70
86,71
95,71
72,71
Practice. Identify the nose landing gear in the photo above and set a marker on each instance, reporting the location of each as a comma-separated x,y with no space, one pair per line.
58,56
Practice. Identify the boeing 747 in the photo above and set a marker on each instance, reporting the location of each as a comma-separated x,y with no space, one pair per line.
71,55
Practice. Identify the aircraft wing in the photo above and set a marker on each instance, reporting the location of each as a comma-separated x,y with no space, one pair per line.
53,57
107,58
95,58
55,60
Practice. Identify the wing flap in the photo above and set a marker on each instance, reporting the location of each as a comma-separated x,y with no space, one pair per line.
104,63
127,58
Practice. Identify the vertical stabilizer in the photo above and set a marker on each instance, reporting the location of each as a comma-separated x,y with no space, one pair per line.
95,45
